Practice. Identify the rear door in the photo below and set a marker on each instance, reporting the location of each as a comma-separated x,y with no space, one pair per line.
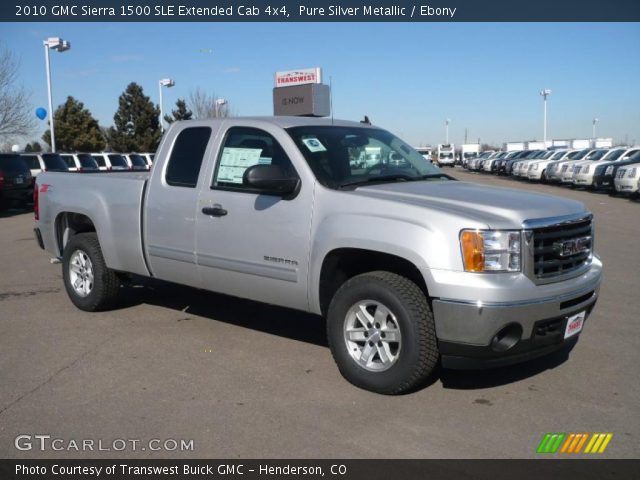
253,245
171,204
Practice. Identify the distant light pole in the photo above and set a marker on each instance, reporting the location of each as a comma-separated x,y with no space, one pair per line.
165,82
593,135
219,103
545,93
446,130
53,43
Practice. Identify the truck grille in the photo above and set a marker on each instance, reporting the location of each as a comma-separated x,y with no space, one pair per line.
561,249
621,173
564,168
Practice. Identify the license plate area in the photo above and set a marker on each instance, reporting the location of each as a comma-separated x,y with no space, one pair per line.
574,324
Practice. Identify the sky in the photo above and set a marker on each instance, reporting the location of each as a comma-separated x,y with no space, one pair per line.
407,77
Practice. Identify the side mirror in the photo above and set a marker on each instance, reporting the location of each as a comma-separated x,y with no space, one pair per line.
271,180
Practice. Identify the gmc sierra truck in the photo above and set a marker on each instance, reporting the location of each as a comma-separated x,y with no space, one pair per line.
409,266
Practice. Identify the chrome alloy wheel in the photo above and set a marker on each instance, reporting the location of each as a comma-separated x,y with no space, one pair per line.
372,335
81,273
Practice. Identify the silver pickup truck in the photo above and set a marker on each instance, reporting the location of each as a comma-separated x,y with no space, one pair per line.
409,266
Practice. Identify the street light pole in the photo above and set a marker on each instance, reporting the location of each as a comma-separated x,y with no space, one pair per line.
595,120
545,93
219,103
446,123
165,82
60,45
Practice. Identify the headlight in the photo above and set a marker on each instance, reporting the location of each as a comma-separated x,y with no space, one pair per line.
632,173
586,169
535,166
490,250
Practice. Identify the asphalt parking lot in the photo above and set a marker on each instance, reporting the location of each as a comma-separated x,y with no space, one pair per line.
245,380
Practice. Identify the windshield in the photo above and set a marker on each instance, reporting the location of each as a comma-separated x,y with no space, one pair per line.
87,161
470,154
32,161
68,159
53,162
615,154
137,161
595,155
579,155
118,161
351,155
557,155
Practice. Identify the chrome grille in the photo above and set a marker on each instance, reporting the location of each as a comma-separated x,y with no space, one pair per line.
564,168
621,173
553,248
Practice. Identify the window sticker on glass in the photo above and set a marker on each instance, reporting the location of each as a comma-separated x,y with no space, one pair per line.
235,161
314,145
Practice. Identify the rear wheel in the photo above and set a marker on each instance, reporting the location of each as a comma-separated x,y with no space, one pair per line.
543,176
381,333
91,286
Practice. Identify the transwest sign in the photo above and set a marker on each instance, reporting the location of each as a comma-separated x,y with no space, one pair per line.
301,76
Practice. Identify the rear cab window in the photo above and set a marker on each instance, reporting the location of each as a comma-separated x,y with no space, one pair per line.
32,161
118,160
13,165
187,154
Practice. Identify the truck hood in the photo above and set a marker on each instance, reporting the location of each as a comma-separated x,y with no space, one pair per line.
497,207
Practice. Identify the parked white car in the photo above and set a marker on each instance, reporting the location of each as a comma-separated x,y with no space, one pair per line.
557,169
584,172
537,170
567,175
628,178
521,167
488,163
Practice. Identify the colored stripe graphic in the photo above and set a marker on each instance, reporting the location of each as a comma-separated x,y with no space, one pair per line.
598,443
572,443
551,442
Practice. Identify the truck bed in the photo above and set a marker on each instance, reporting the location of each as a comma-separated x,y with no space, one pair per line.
113,203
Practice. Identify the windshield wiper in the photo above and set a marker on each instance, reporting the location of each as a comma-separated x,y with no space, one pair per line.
393,178
381,178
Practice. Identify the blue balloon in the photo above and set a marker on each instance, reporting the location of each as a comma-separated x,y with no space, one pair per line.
41,113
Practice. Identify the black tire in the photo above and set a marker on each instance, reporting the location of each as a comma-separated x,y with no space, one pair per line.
418,354
106,284
543,177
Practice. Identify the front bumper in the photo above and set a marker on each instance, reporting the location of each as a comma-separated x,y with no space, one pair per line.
626,185
583,180
471,333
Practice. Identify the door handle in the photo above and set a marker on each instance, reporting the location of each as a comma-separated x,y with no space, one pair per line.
214,211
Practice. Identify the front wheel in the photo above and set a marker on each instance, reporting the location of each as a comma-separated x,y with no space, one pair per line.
91,286
381,333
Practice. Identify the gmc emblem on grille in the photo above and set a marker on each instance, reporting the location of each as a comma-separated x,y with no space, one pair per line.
574,246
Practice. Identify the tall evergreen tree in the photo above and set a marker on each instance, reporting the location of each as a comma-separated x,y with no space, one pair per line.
76,128
28,148
180,113
137,128
36,147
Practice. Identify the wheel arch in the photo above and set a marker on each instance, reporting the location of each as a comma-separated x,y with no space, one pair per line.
69,224
341,264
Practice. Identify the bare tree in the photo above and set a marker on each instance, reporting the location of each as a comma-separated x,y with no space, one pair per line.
204,105
16,117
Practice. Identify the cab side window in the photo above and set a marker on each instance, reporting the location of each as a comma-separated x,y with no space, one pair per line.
186,157
242,148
